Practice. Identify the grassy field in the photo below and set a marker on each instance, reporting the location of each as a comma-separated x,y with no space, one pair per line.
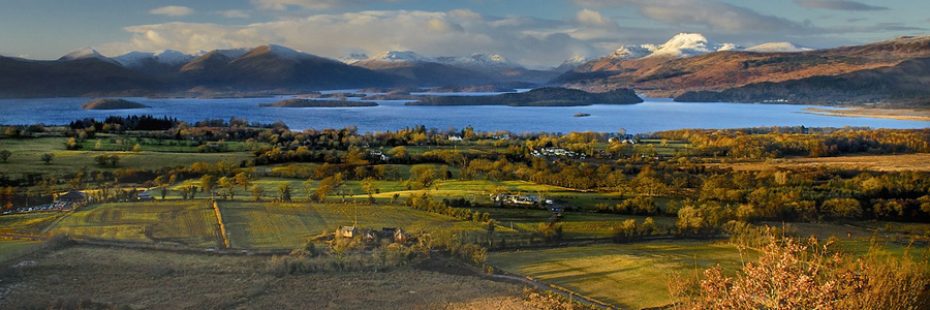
574,225
882,163
190,223
10,249
107,278
26,157
629,275
28,223
287,226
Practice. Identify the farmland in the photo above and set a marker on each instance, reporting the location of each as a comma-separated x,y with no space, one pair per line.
629,275
189,223
291,225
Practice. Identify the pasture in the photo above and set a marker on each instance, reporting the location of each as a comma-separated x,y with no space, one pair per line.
290,225
26,159
11,249
880,163
574,224
191,223
634,275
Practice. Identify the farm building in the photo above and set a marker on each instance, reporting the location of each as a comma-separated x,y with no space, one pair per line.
346,231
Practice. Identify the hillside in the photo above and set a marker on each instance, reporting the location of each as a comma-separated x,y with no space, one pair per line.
549,96
29,78
905,84
717,71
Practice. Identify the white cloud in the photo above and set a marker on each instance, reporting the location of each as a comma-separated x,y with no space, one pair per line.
530,41
713,15
310,4
591,17
172,10
234,14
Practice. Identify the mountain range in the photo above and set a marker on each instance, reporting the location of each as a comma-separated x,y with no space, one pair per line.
774,72
688,67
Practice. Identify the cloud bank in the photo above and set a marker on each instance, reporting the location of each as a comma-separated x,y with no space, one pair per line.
172,10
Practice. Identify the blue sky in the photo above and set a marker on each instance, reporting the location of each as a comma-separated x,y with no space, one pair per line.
534,32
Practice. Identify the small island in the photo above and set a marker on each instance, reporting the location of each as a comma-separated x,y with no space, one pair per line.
540,97
307,103
582,114
112,104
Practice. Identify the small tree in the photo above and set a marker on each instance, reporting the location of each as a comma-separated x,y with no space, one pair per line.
5,155
136,148
368,185
284,192
47,158
257,192
243,179
206,183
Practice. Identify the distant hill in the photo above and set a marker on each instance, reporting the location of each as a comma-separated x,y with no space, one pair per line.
905,84
71,77
112,104
719,71
549,96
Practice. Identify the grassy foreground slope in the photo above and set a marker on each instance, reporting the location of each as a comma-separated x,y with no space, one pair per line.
107,278
629,275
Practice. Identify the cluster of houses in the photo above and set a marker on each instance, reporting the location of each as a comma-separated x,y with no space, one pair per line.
378,155
396,235
556,152
65,202
624,140
515,200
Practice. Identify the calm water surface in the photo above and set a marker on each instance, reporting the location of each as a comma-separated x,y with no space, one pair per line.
653,115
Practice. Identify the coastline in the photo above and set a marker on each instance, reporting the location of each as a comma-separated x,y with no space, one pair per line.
896,114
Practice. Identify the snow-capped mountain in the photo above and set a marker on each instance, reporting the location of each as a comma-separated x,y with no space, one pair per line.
777,47
686,45
571,63
166,57
400,56
353,58
477,60
86,53
629,52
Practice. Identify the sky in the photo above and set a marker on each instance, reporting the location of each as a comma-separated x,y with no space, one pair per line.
535,33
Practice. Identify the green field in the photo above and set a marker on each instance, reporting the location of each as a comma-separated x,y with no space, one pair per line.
286,226
27,223
629,275
10,249
26,157
190,223
574,224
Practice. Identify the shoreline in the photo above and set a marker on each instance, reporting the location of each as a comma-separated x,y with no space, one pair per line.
884,113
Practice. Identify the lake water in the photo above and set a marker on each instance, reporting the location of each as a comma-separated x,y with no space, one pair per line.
653,115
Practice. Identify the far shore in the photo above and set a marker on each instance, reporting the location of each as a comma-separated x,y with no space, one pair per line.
898,114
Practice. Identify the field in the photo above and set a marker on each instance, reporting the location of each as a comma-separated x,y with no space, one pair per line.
628,275
27,224
288,226
26,157
10,249
574,225
106,278
189,223
882,163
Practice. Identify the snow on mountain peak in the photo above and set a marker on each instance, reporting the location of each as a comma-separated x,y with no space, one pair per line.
477,60
777,47
85,53
353,58
629,52
681,45
399,56
283,52
168,57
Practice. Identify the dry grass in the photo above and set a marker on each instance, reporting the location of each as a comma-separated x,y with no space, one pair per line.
882,163
899,114
159,280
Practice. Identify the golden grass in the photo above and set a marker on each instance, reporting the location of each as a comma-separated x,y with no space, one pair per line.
629,275
899,114
882,163
190,223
